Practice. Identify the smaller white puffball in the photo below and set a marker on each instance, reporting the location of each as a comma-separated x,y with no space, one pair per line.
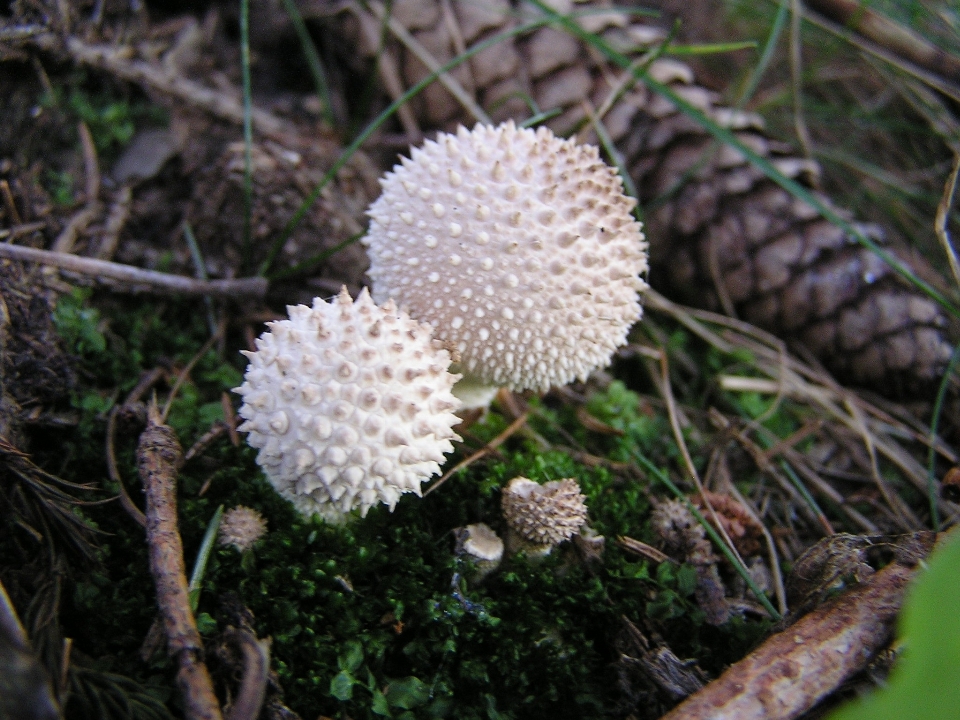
241,527
349,404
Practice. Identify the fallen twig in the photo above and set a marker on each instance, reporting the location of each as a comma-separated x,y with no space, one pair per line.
486,449
148,280
676,678
116,219
114,472
256,667
91,208
159,457
116,60
24,229
794,669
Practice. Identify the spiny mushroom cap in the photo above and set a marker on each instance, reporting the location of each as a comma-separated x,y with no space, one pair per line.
517,246
349,404
241,527
545,514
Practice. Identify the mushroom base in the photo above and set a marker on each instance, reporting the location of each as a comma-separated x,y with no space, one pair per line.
473,393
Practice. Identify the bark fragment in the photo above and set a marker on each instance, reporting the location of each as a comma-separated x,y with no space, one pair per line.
794,669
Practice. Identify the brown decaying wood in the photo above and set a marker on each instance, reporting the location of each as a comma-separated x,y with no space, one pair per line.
794,669
256,668
159,457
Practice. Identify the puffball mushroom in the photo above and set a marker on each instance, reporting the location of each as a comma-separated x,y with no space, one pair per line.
518,247
543,516
481,545
241,527
349,404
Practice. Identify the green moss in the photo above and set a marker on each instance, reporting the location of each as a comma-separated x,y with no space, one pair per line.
375,619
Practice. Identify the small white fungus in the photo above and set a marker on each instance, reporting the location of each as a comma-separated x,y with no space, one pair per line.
349,404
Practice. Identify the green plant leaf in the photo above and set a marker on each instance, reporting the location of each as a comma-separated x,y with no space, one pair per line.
380,705
341,687
923,685
686,580
352,657
407,693
206,624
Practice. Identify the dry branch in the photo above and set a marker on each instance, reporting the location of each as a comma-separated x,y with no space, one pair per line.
116,60
147,280
159,457
794,669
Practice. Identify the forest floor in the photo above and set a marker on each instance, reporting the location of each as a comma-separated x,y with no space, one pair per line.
712,456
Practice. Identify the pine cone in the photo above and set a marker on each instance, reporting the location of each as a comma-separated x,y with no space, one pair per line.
722,235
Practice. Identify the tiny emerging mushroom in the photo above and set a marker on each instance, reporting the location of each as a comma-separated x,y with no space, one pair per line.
349,404
241,528
482,546
540,517
518,247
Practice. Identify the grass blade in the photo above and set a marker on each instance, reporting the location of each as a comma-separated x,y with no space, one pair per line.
247,135
934,427
203,555
714,536
312,57
374,124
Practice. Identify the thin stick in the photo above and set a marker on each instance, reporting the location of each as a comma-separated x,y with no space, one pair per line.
181,378
115,60
116,220
934,425
774,561
159,457
793,669
79,222
485,450
890,35
433,65
114,472
146,280
10,202
933,80
24,229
